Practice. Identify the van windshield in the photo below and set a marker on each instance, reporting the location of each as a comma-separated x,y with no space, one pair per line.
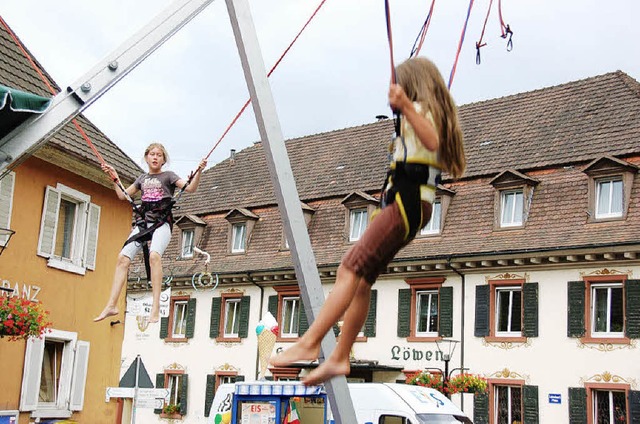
442,419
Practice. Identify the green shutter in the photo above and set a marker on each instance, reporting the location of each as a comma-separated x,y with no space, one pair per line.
245,308
575,308
191,318
577,405
273,306
483,301
159,385
481,408
445,319
530,309
370,323
303,324
214,328
634,406
632,308
209,393
164,327
183,395
404,312
530,404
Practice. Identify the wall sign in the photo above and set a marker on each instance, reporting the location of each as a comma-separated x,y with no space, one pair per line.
26,291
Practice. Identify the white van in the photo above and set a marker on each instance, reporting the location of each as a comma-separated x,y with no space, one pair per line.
268,402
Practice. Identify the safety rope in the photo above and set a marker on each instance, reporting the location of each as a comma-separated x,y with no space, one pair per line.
506,29
396,114
417,44
479,43
464,31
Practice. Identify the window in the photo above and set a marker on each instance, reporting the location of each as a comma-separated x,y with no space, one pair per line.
433,226
238,240
508,311
177,382
230,317
69,230
54,376
357,223
425,310
607,315
174,381
179,326
187,243
287,308
6,203
507,404
609,406
512,208
290,316
228,375
609,198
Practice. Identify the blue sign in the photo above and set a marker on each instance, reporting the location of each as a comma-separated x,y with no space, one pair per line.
555,398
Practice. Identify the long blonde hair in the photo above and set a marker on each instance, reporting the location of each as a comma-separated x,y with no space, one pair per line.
159,146
423,83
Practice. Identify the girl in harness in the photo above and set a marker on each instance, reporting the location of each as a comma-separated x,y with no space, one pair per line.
157,188
429,141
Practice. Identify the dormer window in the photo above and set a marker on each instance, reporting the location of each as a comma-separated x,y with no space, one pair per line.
438,212
307,212
514,192
187,243
241,223
191,228
359,206
610,183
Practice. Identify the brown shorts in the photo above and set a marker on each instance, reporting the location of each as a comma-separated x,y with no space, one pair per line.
381,241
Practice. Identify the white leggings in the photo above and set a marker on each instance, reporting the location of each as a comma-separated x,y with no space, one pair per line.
159,241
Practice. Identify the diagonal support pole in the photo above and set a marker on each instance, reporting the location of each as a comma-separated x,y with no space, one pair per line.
286,191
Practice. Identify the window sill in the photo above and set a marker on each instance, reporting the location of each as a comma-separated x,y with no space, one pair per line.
228,339
606,340
288,339
171,416
51,413
66,266
423,339
176,340
506,339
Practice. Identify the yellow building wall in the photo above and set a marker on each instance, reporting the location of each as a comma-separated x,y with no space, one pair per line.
73,300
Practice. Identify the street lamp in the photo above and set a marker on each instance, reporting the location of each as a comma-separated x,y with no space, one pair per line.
446,347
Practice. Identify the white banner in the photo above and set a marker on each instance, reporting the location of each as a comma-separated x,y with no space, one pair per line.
141,306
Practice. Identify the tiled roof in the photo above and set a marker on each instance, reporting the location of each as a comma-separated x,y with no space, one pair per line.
17,72
562,125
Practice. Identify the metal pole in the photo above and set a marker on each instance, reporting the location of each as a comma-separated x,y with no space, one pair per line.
286,192
135,391
446,375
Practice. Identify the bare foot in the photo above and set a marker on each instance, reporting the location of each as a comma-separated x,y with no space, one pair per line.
297,352
328,369
154,317
108,311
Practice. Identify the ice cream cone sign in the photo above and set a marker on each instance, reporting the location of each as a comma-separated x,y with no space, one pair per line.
267,331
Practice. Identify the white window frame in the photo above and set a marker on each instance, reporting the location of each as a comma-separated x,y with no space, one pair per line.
188,238
419,295
512,290
238,237
232,310
517,216
177,378
434,225
613,182
605,334
7,187
85,233
610,392
358,220
496,397
295,316
180,321
73,375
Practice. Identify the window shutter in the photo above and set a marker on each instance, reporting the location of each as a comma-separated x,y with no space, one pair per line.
482,310
191,318
370,323
93,223
481,408
184,391
577,405
49,221
159,385
445,319
575,309
530,403
303,324
209,393
632,308
32,372
634,406
164,327
404,312
530,309
79,379
245,308
214,328
6,202
273,306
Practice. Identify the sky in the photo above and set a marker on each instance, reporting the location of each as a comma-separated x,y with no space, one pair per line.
335,76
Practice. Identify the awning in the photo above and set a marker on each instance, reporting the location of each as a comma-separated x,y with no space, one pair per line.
17,106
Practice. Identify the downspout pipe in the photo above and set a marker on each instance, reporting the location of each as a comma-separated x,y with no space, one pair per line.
462,313
252,281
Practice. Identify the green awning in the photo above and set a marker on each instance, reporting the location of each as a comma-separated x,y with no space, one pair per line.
17,106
